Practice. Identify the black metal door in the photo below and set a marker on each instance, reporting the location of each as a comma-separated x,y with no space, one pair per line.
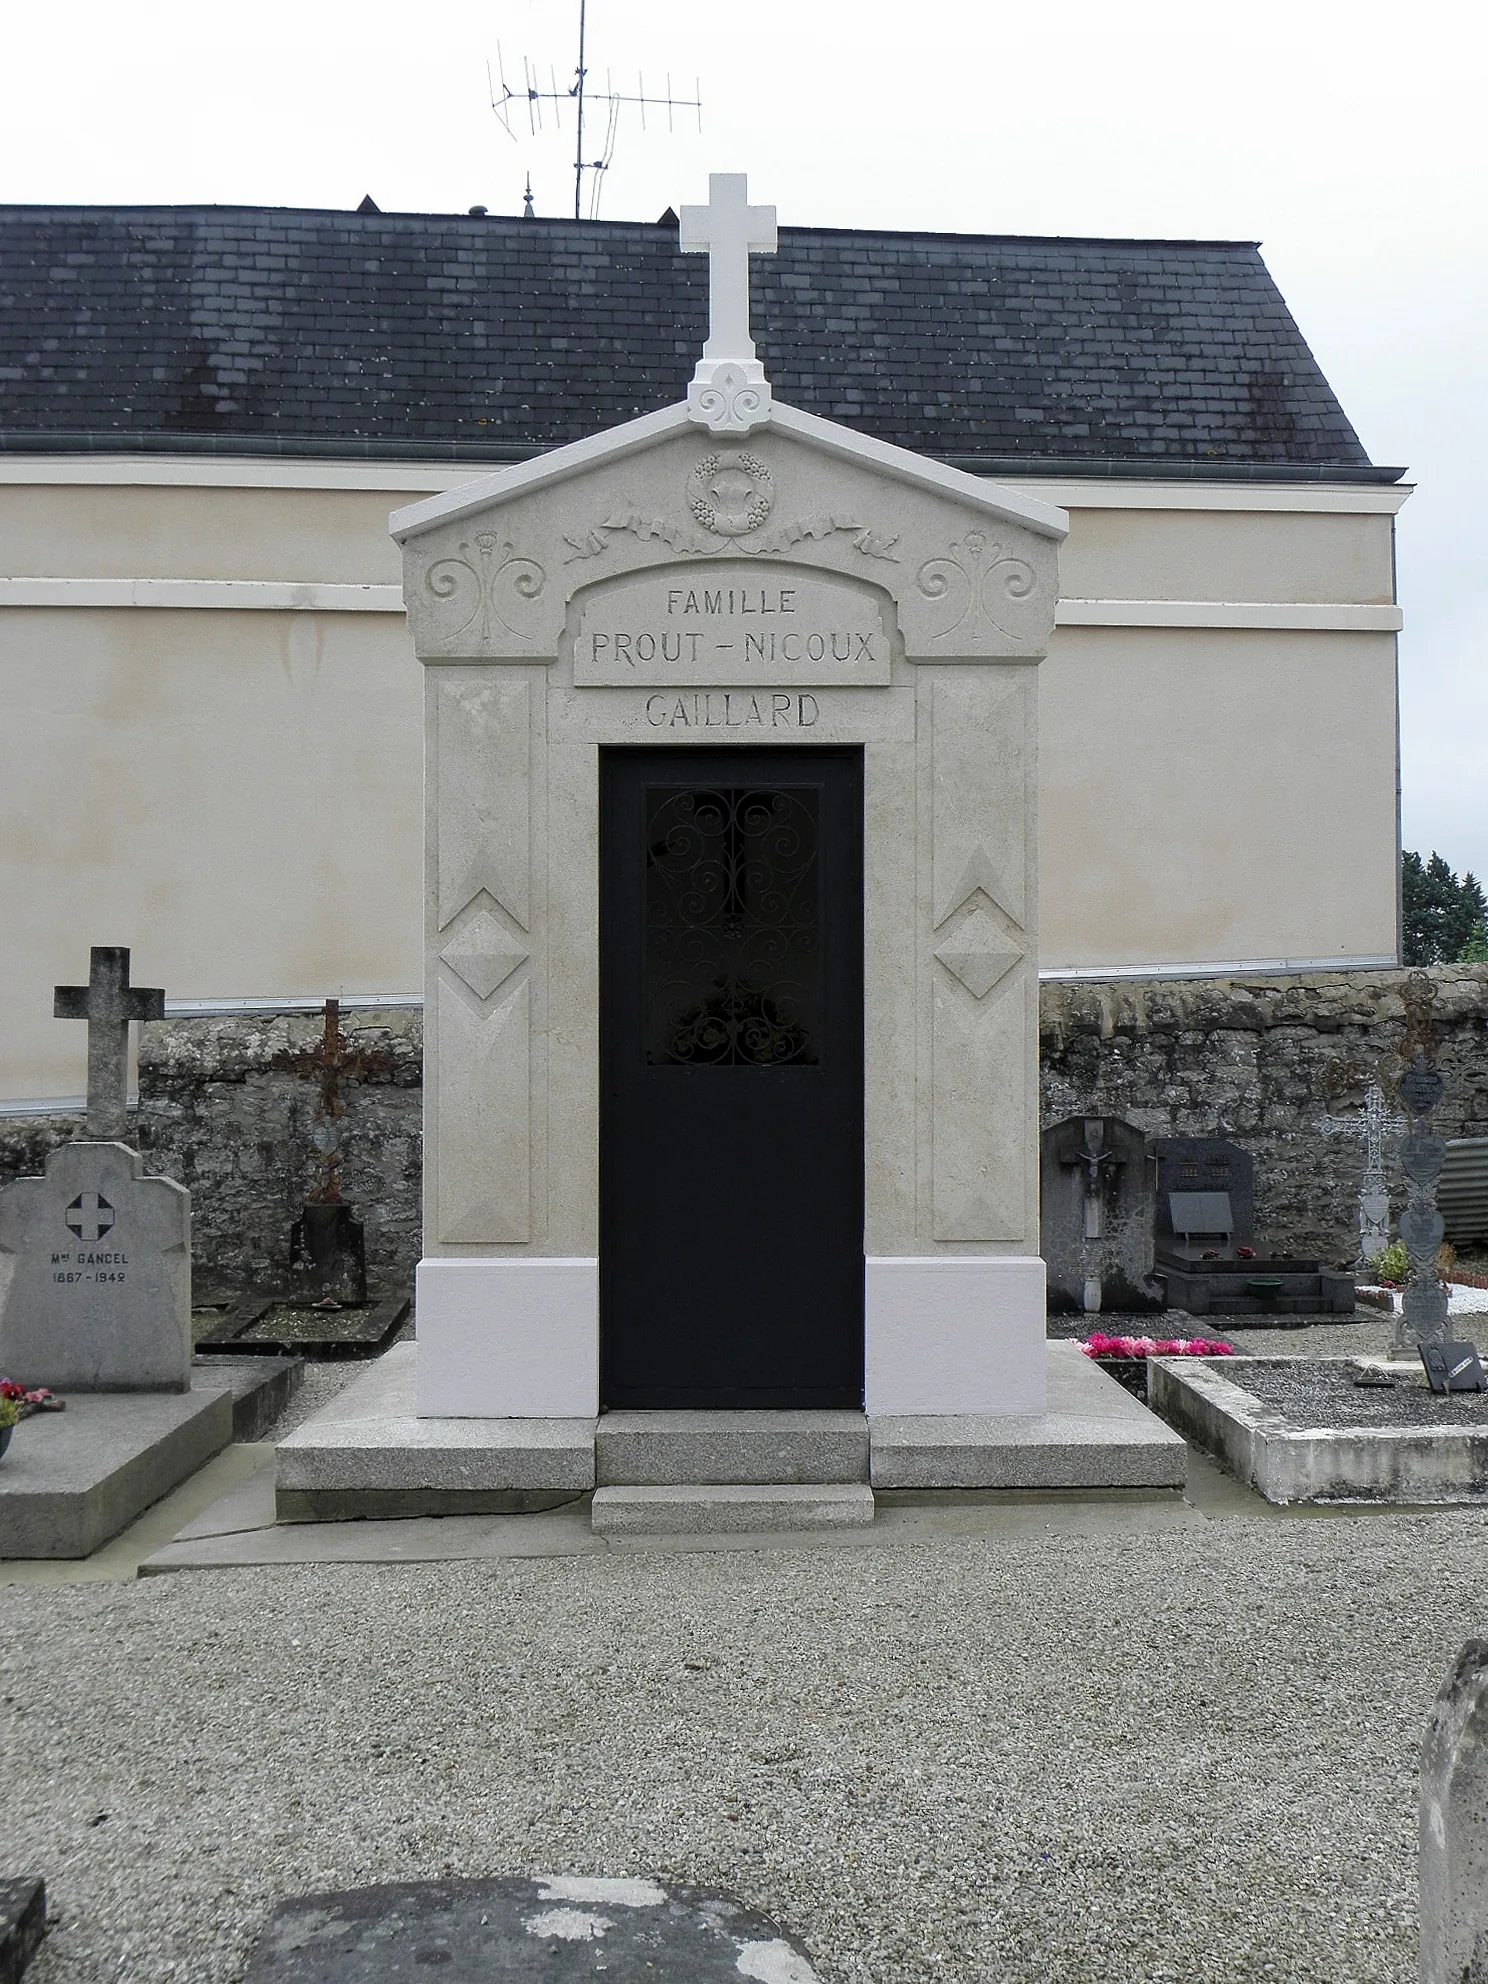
731,1078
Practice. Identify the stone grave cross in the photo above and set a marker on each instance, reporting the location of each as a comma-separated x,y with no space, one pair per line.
728,393
108,1002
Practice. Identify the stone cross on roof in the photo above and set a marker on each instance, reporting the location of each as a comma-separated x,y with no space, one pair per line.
728,393
108,1002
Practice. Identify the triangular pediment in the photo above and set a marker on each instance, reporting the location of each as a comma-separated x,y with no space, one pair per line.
493,568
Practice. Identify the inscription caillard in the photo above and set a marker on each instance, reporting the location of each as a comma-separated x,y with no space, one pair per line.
710,626
731,709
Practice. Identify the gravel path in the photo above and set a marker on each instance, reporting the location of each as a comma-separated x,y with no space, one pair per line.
1066,1760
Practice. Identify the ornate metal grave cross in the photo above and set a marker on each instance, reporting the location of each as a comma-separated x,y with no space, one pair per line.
1374,1198
728,393
325,1064
108,1002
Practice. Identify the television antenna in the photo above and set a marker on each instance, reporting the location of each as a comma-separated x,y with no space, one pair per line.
581,93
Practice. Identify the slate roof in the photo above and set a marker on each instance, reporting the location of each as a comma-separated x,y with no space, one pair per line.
308,332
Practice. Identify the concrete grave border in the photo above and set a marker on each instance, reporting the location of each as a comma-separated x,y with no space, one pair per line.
1205,1400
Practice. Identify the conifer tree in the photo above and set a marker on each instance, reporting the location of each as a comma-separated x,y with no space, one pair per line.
1444,920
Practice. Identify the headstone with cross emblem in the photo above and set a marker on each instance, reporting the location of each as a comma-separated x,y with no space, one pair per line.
95,1257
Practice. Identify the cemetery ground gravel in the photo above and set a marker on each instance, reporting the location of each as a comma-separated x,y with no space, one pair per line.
1062,1759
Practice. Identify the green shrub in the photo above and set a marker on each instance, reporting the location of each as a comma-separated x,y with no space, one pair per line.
1392,1263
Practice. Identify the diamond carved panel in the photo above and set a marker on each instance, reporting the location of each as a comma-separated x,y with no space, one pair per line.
483,956
979,954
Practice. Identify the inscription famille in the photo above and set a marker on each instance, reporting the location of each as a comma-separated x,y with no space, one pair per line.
683,645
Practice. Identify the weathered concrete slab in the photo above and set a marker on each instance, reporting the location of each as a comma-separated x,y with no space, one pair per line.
691,1510
368,1455
665,1449
261,1387
560,1929
22,1925
73,1479
1454,1823
1206,1400
1093,1435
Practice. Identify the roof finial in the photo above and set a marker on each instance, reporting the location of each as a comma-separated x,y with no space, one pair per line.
527,212
729,392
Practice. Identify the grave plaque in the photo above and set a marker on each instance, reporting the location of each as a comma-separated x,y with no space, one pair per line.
1209,1165
1453,1367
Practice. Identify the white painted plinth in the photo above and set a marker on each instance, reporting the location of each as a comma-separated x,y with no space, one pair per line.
508,1339
955,1333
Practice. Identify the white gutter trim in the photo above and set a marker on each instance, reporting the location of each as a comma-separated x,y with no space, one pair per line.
209,595
1340,617
1222,968
299,596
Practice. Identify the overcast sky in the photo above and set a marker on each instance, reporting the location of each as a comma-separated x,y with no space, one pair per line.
1344,135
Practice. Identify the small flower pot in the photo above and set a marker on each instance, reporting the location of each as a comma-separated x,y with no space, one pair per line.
5,1433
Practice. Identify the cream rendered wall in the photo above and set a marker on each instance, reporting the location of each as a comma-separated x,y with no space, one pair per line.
235,792
1216,795
236,796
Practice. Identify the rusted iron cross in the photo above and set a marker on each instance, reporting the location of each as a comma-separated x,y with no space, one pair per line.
326,1064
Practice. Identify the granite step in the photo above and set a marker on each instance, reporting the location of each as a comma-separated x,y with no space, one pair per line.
699,1510
723,1449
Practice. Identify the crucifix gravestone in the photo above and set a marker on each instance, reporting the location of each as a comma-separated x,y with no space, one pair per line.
1096,1215
731,919
95,1258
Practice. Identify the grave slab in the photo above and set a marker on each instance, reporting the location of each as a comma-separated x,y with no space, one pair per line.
73,1479
744,1508
656,1449
1287,1459
1093,1435
561,1929
368,1455
22,1924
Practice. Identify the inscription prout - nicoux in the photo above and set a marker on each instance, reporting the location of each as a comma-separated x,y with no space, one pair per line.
713,630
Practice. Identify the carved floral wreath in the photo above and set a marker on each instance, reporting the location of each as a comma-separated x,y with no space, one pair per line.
731,495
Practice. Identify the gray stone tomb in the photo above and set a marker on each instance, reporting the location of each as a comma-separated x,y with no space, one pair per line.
1454,1826
1205,1240
1096,1216
95,1257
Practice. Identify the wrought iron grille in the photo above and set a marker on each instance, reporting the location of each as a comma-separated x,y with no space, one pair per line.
733,915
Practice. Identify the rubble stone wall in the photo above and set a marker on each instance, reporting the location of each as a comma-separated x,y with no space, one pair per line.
1263,1060
237,1130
